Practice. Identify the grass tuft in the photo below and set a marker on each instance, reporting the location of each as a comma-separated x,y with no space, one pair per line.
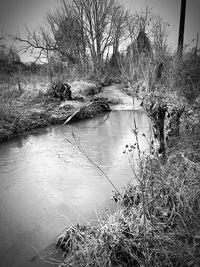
157,222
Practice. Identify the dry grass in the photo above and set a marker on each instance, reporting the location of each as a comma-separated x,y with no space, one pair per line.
26,103
20,101
85,88
157,222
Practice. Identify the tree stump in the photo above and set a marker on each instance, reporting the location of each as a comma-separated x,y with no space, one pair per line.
173,127
156,110
62,91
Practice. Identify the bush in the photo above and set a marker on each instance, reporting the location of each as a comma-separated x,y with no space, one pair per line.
188,77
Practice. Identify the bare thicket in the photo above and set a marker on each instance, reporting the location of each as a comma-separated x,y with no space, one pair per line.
147,53
78,32
99,38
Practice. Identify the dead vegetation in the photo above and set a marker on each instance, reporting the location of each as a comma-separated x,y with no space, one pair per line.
157,222
38,104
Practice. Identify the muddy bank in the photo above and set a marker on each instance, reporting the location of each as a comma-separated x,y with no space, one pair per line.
51,113
29,113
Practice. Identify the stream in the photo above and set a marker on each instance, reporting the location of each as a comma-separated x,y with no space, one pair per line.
47,184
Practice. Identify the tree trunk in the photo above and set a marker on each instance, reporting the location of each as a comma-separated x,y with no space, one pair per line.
156,110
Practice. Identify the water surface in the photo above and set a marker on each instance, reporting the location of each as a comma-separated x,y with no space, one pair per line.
47,184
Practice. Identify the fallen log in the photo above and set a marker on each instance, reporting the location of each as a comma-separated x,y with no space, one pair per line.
98,104
72,116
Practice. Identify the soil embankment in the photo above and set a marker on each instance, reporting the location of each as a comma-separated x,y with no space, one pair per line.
25,116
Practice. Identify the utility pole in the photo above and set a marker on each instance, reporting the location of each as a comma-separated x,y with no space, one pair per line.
197,44
181,29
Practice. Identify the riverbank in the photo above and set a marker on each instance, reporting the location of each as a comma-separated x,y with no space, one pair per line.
157,220
163,230
46,182
22,112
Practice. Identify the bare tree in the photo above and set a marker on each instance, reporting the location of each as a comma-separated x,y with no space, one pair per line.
160,47
139,51
37,42
119,35
159,37
79,30
67,34
97,18
147,51
2,44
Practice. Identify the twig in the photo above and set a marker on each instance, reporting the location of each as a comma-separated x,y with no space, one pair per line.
81,149
77,111
71,117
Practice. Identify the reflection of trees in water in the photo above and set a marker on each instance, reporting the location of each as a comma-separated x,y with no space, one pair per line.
144,133
19,143
104,118
40,131
7,146
115,132
95,122
100,120
142,123
77,128
104,138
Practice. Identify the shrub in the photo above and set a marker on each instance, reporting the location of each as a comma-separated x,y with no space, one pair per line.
188,77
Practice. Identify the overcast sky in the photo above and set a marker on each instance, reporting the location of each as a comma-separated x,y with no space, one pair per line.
15,14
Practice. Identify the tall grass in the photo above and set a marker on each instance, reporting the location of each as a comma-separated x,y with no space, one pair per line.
187,76
157,222
16,95
8,96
